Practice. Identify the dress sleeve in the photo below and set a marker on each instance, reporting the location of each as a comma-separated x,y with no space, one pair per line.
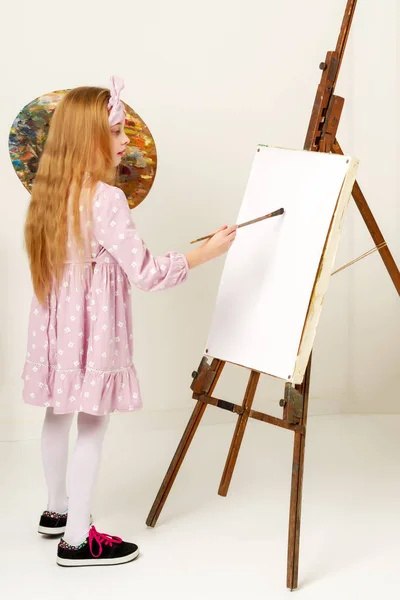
114,229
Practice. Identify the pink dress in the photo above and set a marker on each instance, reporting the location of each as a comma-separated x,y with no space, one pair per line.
80,343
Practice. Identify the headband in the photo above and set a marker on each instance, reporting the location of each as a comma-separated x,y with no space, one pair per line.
115,106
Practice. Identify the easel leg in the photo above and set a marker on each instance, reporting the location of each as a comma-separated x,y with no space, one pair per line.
239,433
297,489
180,453
373,228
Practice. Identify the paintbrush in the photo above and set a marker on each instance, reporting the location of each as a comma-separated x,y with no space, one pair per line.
280,211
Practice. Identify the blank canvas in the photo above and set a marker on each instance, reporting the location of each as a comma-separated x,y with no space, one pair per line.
277,271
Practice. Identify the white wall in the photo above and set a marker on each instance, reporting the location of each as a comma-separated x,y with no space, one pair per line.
374,327
212,79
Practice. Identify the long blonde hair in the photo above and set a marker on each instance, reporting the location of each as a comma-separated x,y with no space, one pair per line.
79,142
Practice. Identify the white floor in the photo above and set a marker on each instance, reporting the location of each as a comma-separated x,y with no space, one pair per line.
208,547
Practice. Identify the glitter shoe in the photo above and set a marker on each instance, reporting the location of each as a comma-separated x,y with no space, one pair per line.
52,523
99,549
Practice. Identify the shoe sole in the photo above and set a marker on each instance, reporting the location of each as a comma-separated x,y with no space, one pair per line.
51,530
97,562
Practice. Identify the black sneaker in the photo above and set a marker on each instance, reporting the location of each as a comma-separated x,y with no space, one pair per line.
52,523
98,549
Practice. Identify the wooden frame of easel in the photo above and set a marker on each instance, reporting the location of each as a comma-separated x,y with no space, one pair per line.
321,137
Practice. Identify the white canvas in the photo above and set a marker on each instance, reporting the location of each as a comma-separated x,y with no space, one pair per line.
271,269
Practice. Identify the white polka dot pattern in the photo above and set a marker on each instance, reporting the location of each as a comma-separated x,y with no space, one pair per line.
80,344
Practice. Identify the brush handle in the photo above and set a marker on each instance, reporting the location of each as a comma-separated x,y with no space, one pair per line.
276,213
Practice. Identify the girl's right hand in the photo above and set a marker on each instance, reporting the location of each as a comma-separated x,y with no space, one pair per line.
217,245
220,242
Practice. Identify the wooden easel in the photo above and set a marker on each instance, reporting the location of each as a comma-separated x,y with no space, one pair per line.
321,137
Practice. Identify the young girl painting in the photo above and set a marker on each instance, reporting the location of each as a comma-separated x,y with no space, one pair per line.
84,253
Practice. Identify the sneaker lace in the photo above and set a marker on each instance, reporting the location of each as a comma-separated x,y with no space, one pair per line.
100,539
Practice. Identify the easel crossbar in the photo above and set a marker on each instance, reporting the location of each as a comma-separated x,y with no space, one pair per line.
253,414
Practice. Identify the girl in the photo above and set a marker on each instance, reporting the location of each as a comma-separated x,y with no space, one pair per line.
84,251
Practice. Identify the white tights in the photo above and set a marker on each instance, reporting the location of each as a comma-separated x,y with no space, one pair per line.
83,468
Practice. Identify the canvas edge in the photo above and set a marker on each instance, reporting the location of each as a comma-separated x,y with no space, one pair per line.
324,273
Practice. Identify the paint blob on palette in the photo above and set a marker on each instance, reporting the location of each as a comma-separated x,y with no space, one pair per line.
29,132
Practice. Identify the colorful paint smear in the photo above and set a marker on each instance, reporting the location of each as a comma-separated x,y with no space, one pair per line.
29,132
